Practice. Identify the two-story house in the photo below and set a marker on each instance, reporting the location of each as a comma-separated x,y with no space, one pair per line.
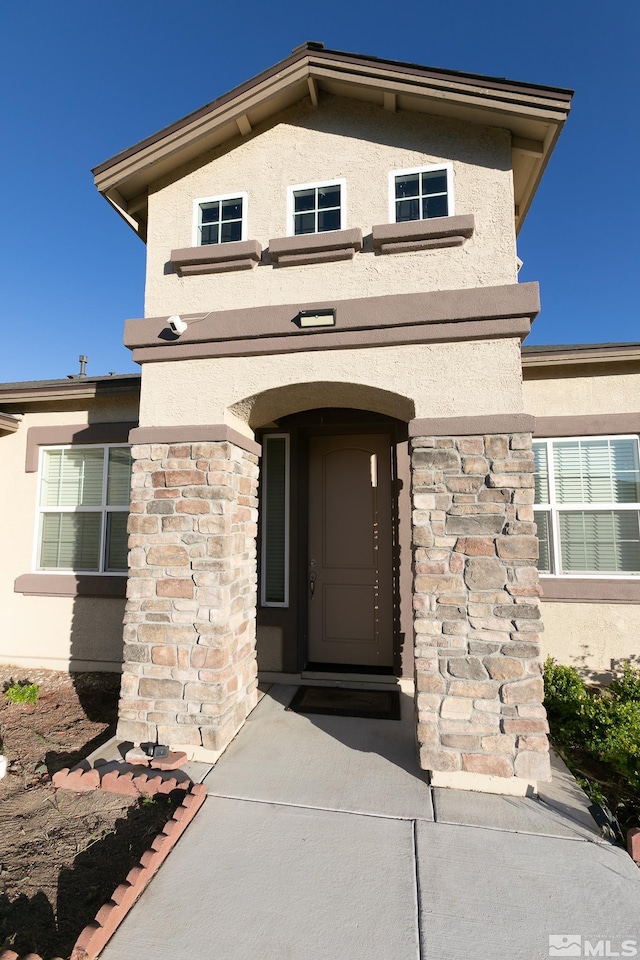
333,466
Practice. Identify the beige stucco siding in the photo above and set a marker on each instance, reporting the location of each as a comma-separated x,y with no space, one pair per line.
340,139
589,393
425,380
595,638
43,630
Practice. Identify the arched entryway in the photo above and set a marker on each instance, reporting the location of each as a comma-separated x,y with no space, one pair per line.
334,591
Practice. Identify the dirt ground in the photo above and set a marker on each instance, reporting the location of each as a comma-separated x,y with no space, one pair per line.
62,854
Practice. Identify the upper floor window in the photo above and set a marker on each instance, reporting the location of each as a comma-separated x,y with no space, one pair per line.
316,207
421,194
84,495
587,505
220,219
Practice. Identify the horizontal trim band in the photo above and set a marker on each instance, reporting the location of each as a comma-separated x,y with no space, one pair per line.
438,228
273,328
117,432
492,423
309,339
316,256
198,433
70,585
587,425
216,257
590,590
434,243
314,243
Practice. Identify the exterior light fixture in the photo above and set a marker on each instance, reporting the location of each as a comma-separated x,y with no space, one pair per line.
317,318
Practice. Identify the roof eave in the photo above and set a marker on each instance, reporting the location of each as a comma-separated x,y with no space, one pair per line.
72,389
580,355
8,423
534,114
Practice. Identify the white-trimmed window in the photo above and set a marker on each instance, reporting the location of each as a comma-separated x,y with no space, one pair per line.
83,505
221,219
275,520
587,505
421,193
316,207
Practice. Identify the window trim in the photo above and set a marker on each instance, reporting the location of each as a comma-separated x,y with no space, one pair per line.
264,514
197,203
103,509
553,508
427,168
337,182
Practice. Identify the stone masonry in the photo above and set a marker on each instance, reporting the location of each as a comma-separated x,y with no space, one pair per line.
479,688
189,674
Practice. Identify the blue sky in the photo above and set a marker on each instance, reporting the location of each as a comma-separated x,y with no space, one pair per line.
81,83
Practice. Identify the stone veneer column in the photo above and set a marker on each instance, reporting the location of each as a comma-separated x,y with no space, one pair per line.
189,675
479,689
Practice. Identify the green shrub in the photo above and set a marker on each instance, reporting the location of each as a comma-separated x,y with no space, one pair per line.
605,723
22,692
627,687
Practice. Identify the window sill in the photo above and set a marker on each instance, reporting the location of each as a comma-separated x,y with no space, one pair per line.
70,585
591,590
422,234
315,247
216,258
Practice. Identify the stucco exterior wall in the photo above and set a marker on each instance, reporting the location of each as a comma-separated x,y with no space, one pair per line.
50,631
595,638
584,393
340,139
426,380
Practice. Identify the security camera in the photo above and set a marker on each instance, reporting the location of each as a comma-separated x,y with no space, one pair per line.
177,325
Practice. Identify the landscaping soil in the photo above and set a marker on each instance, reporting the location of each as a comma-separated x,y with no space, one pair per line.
62,854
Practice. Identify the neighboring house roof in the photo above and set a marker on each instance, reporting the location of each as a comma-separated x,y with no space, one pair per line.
70,388
78,387
579,353
533,113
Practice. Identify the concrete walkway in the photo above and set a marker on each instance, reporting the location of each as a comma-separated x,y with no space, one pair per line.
321,840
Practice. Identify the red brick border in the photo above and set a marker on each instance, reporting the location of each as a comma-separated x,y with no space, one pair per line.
96,934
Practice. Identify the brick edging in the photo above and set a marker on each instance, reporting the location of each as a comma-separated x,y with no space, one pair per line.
96,934
124,782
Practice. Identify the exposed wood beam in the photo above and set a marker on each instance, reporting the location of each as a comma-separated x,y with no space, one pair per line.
313,90
532,148
244,125
137,203
390,102
116,200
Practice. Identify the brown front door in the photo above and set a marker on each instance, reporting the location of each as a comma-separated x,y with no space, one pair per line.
349,575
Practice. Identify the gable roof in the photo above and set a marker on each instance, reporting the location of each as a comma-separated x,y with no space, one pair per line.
533,113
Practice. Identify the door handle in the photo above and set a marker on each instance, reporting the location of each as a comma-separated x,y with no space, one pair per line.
312,583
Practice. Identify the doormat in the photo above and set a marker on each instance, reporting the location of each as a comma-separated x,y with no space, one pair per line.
341,702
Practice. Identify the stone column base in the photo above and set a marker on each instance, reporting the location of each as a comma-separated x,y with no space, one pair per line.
189,675
481,783
481,723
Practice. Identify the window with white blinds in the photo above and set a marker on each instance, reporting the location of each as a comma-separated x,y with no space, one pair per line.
83,507
275,520
587,505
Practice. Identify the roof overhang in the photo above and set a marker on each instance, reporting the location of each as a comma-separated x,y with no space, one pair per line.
74,388
8,423
533,114
546,358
